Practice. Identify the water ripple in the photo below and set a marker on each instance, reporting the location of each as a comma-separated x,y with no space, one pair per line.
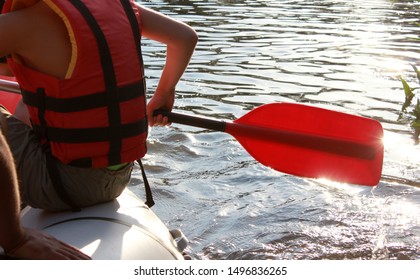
341,55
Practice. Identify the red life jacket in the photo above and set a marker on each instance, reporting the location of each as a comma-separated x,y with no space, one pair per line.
96,116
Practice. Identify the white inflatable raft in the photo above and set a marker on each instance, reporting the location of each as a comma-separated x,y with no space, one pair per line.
123,229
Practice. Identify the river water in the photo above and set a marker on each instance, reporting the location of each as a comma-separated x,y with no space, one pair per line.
341,55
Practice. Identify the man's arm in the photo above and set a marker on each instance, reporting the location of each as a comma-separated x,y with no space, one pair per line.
180,40
11,232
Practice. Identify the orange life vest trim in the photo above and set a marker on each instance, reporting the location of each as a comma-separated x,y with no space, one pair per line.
72,38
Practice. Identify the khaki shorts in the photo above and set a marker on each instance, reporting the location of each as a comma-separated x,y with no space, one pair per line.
85,186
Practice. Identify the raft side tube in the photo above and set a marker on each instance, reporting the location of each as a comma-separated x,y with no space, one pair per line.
122,229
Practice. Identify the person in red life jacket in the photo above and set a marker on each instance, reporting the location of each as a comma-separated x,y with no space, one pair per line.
17,241
84,120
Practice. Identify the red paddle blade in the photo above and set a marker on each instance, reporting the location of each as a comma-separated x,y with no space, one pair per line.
313,142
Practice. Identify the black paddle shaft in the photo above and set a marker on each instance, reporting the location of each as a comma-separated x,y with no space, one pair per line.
193,121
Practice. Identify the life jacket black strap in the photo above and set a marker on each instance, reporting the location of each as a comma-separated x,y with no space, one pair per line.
58,183
80,103
137,39
41,130
114,114
149,196
89,135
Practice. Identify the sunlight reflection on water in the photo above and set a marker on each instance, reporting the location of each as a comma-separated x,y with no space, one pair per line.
341,55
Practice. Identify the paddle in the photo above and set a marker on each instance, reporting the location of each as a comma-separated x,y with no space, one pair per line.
305,141
301,140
